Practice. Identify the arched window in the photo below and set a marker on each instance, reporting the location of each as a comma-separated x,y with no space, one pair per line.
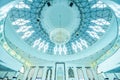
70,73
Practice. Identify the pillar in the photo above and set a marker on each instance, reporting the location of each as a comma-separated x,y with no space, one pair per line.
84,72
75,73
35,73
44,73
94,71
26,73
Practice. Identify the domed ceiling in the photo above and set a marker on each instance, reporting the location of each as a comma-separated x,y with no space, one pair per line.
61,27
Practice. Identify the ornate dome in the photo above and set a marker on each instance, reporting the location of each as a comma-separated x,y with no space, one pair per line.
61,27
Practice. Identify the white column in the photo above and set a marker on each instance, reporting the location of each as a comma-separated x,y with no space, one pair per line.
17,74
53,73
84,72
75,73
67,73
94,71
35,73
44,73
26,73
104,75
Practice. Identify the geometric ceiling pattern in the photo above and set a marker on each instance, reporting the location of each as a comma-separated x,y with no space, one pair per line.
60,27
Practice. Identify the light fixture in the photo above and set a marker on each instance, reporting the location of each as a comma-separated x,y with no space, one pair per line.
22,70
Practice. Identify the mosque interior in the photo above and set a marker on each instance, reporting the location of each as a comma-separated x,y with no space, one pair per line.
59,39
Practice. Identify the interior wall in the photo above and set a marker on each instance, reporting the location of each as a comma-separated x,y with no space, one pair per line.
110,63
59,71
9,61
